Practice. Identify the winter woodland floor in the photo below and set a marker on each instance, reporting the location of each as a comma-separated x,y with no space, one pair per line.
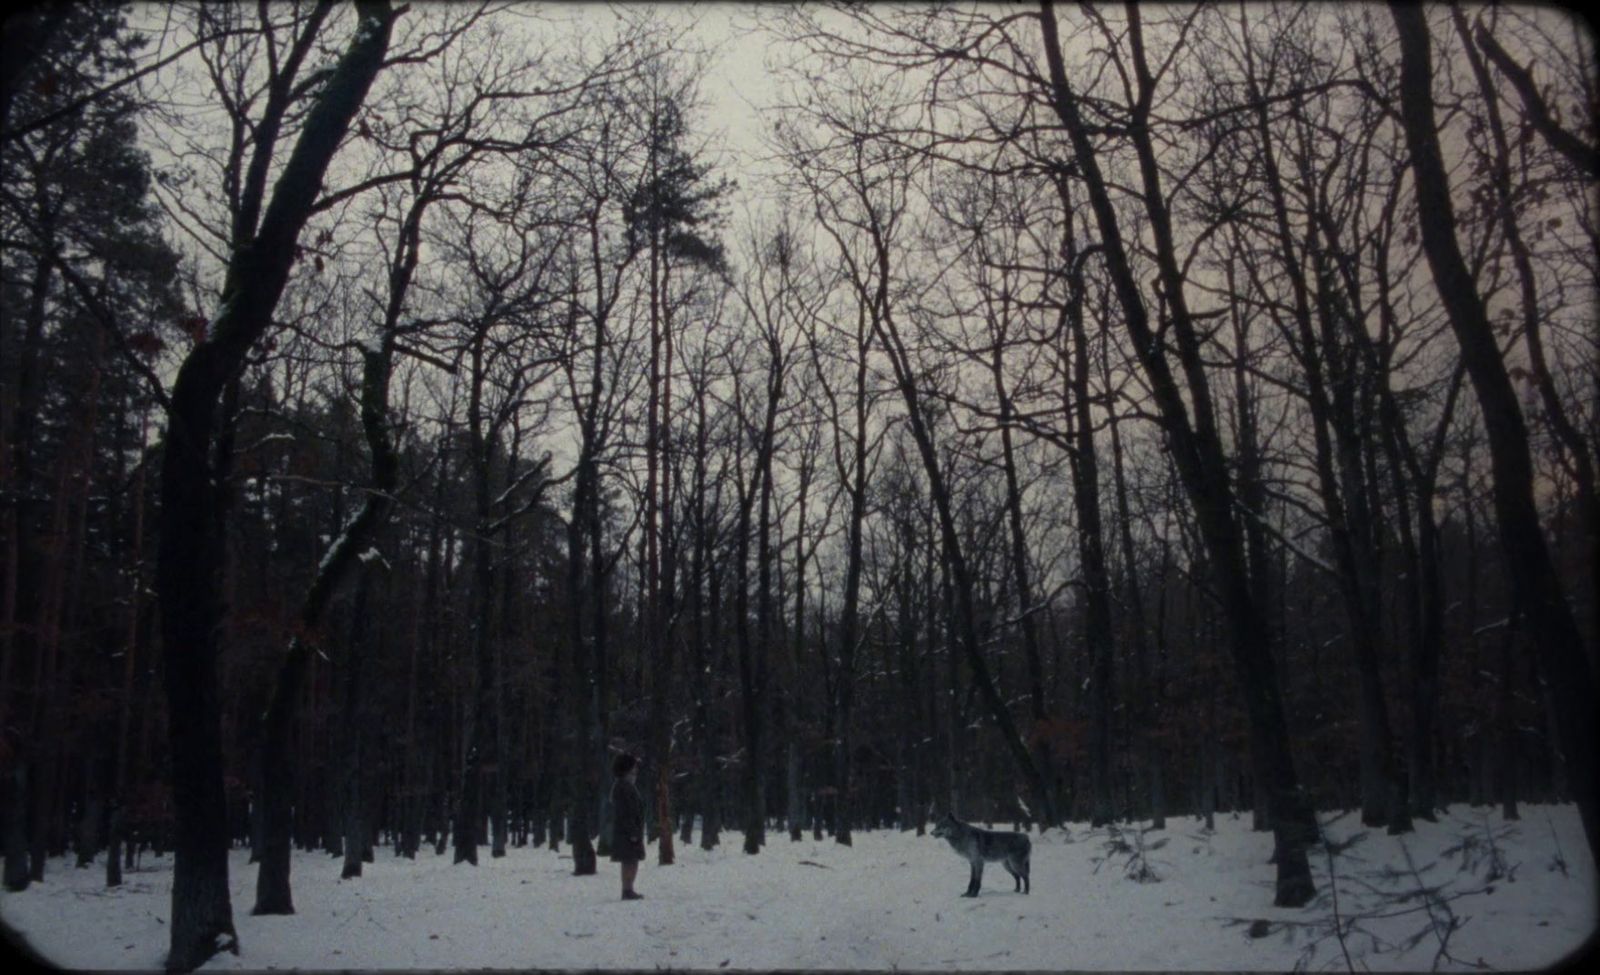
1469,891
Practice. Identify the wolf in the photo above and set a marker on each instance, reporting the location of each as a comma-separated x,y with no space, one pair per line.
979,845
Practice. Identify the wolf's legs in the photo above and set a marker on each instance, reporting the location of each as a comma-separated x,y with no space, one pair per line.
1011,868
977,879
1019,870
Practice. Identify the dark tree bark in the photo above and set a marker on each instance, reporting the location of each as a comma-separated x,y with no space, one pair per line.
652,608
354,826
660,612
190,554
427,792
1148,713
1582,155
1337,435
753,664
1018,550
851,470
507,765
960,574
1091,537
480,733
802,555
16,838
273,892
711,828
749,690
586,582
21,633
1416,476
1535,582
1576,454
699,683
1197,451
135,643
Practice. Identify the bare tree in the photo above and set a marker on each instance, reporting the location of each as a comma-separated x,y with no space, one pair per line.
190,551
1539,593
854,452
1196,447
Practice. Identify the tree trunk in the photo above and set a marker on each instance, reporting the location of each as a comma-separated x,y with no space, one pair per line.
584,662
750,709
1535,582
273,893
1019,562
711,803
1198,453
190,555
850,618
1147,713
17,876
961,578
480,756
699,683
1506,724
1330,393
355,826
1091,538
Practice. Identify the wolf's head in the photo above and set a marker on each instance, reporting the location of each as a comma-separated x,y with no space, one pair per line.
944,826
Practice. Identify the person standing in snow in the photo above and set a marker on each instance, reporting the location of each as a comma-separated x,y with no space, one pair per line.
627,822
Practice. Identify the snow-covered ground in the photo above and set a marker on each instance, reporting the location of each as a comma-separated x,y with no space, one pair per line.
891,901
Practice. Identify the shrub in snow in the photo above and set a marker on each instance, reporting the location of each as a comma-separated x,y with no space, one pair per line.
1130,848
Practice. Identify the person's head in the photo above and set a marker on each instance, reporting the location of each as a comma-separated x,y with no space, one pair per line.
623,764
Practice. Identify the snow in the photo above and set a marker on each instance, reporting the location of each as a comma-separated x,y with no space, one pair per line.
890,901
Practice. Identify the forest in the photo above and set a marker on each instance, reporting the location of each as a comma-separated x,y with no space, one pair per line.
1097,413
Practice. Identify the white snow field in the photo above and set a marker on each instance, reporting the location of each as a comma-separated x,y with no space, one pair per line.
1492,894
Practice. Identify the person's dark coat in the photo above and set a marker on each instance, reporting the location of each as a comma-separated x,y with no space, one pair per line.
627,822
